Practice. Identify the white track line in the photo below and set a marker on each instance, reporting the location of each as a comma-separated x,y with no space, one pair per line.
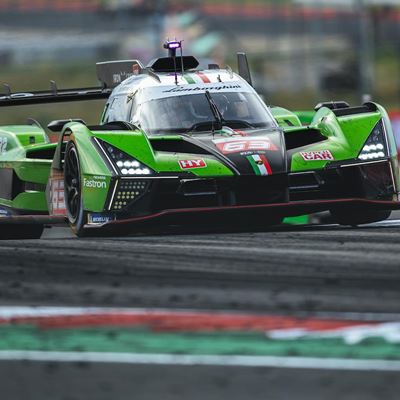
210,360
48,311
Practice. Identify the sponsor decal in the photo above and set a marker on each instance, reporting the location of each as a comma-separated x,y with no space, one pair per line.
3,145
100,218
201,88
322,155
4,213
260,164
243,145
95,183
192,164
57,195
120,77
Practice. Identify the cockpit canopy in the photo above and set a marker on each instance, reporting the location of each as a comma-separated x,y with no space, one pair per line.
190,112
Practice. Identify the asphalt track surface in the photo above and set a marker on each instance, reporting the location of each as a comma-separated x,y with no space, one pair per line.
311,270
122,382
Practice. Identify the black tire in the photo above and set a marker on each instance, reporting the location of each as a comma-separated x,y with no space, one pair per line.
73,190
358,216
20,231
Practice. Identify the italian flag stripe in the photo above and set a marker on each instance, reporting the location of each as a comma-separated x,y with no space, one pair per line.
266,164
189,78
203,77
254,165
260,164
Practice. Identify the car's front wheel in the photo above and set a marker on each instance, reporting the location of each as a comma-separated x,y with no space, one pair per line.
73,190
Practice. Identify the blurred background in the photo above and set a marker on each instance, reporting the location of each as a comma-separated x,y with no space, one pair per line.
301,51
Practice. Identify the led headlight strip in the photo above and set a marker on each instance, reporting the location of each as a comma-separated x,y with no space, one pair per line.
125,164
375,147
132,168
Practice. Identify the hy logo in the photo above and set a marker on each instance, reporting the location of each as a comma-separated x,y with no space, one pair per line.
191,164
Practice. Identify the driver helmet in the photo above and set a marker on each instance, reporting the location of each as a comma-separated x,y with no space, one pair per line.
222,102
241,106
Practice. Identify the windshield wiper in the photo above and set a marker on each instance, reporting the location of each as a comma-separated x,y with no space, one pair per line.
201,127
214,109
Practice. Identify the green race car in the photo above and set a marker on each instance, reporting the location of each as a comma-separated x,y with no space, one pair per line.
180,145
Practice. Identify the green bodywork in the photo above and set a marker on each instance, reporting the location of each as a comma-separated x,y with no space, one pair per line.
345,137
22,142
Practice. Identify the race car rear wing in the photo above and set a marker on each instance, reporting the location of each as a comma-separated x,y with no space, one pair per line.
54,95
110,74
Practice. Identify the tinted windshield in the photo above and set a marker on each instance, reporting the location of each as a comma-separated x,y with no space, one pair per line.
192,112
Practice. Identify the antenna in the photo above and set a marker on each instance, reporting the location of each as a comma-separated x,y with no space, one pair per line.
183,68
172,47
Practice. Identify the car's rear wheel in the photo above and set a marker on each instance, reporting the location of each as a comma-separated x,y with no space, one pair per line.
354,216
73,190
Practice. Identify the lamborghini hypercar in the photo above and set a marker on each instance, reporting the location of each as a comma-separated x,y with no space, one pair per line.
181,145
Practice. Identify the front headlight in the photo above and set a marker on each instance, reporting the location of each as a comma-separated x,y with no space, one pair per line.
125,164
375,146
132,167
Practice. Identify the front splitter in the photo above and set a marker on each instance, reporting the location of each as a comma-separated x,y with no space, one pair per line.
218,215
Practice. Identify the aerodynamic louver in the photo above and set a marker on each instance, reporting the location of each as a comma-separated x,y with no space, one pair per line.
127,192
176,146
303,138
375,147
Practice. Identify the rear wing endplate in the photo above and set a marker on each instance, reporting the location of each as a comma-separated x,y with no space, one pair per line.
244,69
112,73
